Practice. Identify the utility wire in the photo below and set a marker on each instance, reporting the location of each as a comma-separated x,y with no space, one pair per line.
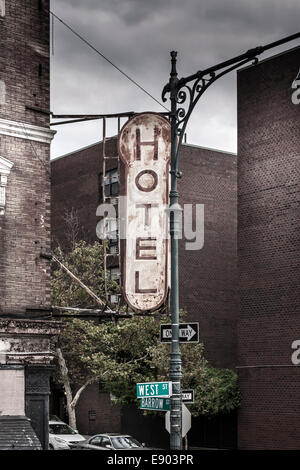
108,60
35,152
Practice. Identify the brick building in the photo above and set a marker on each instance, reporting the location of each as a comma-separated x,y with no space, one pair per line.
268,253
26,329
207,276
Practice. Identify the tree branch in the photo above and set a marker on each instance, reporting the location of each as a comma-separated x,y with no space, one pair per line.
75,278
82,388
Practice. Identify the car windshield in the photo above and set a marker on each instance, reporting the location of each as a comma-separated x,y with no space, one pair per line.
60,428
124,442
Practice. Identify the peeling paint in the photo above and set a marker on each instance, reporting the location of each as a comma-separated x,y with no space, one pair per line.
144,147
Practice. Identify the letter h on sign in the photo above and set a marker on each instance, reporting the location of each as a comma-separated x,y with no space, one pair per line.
154,143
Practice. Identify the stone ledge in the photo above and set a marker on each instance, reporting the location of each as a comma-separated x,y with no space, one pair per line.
26,131
28,341
29,327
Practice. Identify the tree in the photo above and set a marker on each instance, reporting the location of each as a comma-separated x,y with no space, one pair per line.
122,353
85,261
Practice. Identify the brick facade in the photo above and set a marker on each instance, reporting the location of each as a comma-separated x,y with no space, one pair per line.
24,60
25,226
208,276
268,246
25,210
97,413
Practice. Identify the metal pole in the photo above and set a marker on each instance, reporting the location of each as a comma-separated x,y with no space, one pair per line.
175,213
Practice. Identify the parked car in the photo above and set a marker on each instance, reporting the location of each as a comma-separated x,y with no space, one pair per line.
62,436
111,441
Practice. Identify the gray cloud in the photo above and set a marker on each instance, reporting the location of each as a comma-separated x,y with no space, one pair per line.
138,35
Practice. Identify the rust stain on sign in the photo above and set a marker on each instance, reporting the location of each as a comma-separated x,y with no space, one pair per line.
144,147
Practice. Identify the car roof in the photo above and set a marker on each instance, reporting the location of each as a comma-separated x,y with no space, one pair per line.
55,418
111,434
54,421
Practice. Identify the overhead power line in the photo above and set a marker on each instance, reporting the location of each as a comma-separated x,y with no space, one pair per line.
106,58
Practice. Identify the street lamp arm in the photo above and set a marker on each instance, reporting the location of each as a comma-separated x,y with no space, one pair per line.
193,94
186,94
249,55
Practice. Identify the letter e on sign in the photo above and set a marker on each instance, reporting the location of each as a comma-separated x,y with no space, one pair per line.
144,146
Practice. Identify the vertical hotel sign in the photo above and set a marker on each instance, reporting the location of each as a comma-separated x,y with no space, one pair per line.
144,147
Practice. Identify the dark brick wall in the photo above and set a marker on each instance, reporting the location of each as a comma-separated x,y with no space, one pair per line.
25,227
268,253
75,185
208,277
24,60
96,413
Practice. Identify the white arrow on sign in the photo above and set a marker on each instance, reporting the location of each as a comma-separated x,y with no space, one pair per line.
186,420
188,333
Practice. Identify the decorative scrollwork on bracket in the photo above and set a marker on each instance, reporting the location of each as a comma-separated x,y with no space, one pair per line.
187,95
184,96
181,97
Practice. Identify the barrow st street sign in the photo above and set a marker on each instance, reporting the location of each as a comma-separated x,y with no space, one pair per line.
144,147
158,404
187,396
188,333
154,389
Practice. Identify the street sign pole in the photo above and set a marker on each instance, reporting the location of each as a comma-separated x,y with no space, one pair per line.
174,214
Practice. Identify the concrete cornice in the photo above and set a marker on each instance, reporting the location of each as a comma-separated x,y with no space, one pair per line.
26,131
5,166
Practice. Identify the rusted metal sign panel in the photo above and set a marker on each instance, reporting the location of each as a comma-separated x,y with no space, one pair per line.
144,147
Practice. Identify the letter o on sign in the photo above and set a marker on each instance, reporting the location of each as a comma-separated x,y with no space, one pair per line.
146,180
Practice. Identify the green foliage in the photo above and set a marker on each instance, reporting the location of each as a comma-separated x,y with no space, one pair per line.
86,262
127,352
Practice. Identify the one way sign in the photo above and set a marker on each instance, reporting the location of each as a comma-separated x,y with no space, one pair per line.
188,333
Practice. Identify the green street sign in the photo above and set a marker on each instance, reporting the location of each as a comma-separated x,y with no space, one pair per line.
154,389
158,404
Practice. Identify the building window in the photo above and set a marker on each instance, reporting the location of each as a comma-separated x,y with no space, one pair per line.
111,184
2,92
5,168
113,247
108,229
92,415
2,8
114,274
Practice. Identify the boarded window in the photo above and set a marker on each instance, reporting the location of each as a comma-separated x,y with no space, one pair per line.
2,92
2,8
111,184
12,392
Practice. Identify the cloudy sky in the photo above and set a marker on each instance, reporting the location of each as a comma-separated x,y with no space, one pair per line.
137,36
